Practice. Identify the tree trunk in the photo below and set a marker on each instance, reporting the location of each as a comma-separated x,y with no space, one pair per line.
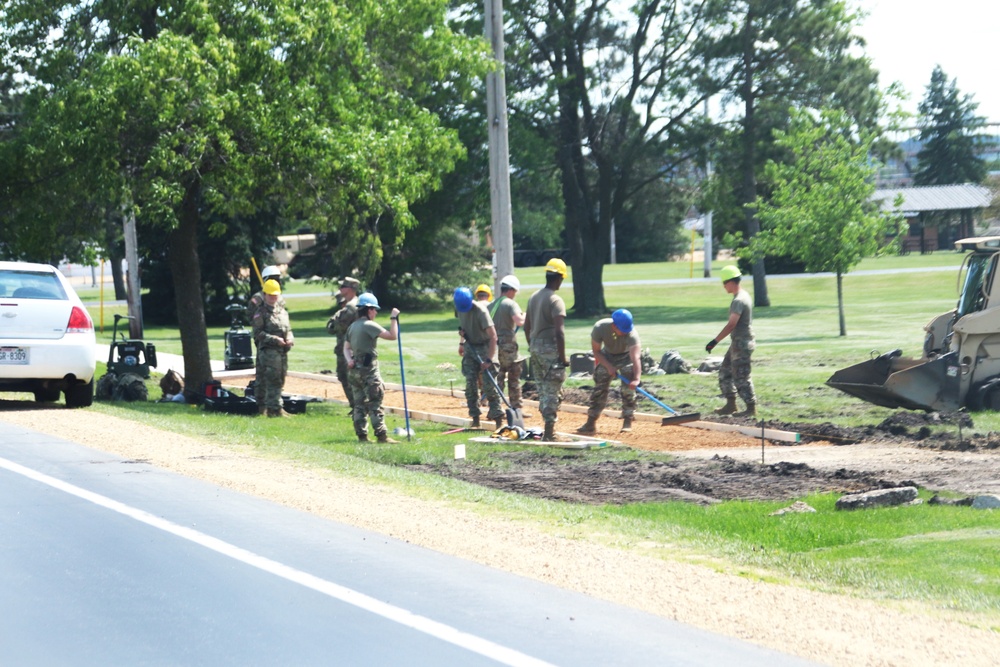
186,274
588,251
117,278
840,303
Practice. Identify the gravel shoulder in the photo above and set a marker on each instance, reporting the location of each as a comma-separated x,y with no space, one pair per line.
828,628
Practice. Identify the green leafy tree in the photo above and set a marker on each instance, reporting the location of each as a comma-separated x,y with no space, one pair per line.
820,211
951,135
190,114
780,54
616,96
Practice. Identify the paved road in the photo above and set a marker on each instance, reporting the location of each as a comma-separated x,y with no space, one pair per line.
111,562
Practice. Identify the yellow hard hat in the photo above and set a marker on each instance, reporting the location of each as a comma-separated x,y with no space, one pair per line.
483,287
272,287
556,265
729,272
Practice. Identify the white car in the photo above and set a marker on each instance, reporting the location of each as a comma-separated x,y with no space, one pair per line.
47,342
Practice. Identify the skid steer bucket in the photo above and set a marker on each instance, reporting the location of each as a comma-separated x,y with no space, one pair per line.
894,381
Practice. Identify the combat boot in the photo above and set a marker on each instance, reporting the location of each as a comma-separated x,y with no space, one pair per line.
589,427
475,422
499,422
550,432
363,437
384,438
627,425
751,411
729,408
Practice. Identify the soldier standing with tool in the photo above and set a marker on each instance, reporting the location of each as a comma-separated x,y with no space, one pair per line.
507,317
544,329
338,326
734,374
479,352
361,353
272,332
616,347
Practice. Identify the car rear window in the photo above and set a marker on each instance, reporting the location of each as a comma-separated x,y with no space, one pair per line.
30,285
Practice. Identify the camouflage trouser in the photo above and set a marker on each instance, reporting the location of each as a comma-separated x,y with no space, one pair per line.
509,374
734,373
368,391
342,376
602,385
548,380
473,376
272,365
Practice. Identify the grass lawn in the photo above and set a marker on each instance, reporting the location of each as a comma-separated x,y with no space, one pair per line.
942,556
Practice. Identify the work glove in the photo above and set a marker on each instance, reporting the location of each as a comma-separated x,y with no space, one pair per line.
711,345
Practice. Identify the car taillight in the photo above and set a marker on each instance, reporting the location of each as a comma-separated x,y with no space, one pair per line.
79,321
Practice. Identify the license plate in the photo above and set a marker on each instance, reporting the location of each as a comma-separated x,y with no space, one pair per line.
14,356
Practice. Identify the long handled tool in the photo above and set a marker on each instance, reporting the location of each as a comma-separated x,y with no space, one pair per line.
402,376
514,416
675,417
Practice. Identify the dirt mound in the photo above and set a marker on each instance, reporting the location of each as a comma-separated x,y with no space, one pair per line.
579,479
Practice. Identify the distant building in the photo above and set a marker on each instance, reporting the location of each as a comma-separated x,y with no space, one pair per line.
936,215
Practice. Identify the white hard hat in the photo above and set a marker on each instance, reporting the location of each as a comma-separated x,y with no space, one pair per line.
270,271
510,281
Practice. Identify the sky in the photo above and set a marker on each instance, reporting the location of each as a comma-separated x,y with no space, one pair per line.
907,38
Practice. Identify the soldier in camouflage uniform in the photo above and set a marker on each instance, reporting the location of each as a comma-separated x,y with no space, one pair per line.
507,318
544,329
734,374
617,349
361,352
255,303
338,326
273,334
479,353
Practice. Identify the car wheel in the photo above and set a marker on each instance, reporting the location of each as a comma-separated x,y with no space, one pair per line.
46,395
80,395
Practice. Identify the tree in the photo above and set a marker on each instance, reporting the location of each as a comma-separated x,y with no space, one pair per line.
616,98
194,113
784,53
949,132
820,210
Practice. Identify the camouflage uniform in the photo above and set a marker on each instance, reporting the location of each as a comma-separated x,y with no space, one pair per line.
338,326
546,365
270,329
365,380
474,324
255,303
734,373
617,350
503,311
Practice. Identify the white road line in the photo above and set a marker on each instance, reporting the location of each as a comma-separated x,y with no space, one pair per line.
441,631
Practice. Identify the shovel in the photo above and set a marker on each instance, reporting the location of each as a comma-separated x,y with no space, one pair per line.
675,417
514,416
402,376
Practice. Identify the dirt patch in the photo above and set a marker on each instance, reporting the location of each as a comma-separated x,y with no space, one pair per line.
703,481
706,466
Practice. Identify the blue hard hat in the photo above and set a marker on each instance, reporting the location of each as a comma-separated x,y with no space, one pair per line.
463,299
368,300
622,319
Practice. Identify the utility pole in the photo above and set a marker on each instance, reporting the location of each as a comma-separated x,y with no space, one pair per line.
707,218
496,114
134,286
